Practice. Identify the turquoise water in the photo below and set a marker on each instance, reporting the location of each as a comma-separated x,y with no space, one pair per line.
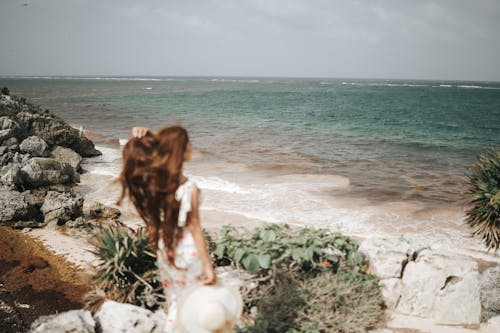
410,140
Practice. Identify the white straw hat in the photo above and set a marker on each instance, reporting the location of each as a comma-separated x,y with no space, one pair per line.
208,309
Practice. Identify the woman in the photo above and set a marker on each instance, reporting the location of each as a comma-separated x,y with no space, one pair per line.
168,202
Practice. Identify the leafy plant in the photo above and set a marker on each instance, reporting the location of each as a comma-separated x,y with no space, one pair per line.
484,216
5,91
127,271
273,246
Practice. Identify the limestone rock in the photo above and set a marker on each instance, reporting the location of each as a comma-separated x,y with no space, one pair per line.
66,155
8,128
77,321
441,286
79,222
389,256
391,291
56,132
7,123
34,146
20,158
98,209
11,176
39,171
5,134
59,208
12,205
115,317
490,292
12,144
6,157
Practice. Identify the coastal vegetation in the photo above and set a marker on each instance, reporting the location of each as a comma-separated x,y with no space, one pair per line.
294,279
484,215
127,271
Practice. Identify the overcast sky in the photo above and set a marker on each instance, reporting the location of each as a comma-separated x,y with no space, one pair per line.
455,39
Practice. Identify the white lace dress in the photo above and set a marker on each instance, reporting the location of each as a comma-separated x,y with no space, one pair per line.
174,280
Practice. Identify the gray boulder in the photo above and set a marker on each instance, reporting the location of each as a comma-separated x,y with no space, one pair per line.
115,317
75,321
98,209
8,129
12,205
20,158
12,144
58,208
389,256
490,292
11,176
34,146
68,156
6,157
441,286
40,171
7,123
5,134
57,132
391,291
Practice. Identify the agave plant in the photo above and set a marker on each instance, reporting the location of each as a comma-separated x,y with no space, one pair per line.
127,271
484,216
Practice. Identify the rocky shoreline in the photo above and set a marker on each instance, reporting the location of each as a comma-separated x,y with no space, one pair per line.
40,158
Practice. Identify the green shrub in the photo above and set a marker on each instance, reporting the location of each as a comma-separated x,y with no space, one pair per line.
5,91
484,215
325,303
274,246
127,271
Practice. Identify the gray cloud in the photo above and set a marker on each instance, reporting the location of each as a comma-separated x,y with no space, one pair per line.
316,38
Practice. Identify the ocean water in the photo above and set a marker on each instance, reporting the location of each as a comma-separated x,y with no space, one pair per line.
358,156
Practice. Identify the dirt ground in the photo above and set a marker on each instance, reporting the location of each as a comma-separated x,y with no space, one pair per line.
34,282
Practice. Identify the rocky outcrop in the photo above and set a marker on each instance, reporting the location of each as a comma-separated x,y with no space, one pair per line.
95,209
80,321
112,317
490,292
20,120
41,171
58,208
40,158
56,133
12,205
116,317
418,280
442,286
67,156
389,256
34,146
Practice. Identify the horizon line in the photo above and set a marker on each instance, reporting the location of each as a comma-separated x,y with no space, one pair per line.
90,76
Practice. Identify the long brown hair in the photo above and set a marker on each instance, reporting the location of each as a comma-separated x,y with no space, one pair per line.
151,174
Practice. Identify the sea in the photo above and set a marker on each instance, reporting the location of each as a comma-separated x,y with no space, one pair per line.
365,157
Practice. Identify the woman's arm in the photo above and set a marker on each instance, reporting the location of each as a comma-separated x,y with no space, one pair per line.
199,239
